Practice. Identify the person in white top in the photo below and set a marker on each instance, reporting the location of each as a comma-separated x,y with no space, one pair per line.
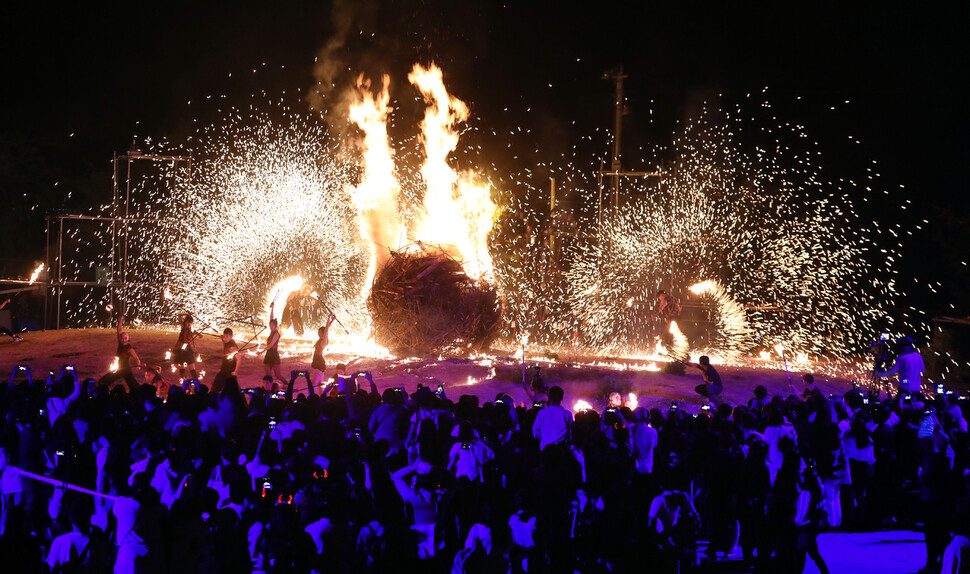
69,548
644,441
553,423
909,366
60,400
469,455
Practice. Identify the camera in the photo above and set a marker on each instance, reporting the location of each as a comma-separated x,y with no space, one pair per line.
882,351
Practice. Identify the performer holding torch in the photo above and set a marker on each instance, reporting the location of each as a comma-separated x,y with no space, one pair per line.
127,359
667,310
230,361
183,355
318,365
271,354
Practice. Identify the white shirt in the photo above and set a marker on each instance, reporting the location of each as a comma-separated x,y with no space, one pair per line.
126,512
552,425
469,461
910,368
65,547
644,441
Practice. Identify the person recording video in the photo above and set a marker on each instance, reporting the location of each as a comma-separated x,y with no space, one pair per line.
908,365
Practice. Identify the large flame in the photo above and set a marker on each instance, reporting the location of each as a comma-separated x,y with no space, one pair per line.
457,211
376,196
36,274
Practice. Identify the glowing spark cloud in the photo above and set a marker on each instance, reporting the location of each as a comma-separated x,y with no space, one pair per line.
757,236
732,323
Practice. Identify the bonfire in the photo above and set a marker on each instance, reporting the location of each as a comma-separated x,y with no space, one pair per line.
422,302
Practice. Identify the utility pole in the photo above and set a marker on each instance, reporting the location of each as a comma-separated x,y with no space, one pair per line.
617,76
616,167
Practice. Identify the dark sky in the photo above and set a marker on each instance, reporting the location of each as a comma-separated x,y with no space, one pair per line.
105,74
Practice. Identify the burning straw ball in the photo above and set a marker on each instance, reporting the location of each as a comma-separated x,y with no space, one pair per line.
422,302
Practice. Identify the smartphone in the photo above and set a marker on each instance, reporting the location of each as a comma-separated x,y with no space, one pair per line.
441,389
21,368
538,404
939,389
68,367
267,483
908,399
272,423
706,408
673,405
865,400
884,337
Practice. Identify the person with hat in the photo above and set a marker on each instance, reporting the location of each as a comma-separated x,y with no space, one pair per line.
908,365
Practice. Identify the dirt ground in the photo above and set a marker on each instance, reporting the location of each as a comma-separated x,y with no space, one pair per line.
92,351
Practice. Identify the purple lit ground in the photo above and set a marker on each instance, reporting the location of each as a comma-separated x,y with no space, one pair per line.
92,351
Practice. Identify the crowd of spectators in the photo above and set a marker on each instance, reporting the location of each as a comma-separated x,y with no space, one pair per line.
356,480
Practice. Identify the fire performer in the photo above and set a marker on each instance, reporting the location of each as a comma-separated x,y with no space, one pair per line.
297,304
230,361
712,386
127,359
271,354
668,307
7,332
318,365
667,310
183,355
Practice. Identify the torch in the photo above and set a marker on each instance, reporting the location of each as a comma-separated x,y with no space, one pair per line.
315,296
33,278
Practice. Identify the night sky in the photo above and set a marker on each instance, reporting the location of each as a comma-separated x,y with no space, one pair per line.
105,74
